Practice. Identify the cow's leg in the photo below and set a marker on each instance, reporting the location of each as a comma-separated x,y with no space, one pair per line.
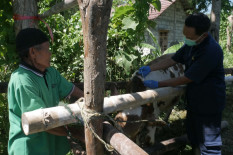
126,119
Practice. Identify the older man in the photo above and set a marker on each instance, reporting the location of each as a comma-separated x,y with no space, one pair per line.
32,86
204,76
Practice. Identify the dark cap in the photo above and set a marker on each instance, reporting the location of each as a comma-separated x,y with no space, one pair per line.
30,37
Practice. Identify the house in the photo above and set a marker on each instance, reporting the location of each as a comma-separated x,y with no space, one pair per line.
169,22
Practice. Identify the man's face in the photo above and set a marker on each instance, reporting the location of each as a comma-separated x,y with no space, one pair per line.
189,33
42,56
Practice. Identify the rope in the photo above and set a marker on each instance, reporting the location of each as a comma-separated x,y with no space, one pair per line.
20,17
88,115
73,114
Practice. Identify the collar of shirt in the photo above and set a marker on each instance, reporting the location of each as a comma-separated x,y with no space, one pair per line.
32,69
204,42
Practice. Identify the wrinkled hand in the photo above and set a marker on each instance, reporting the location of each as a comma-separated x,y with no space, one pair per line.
144,71
151,84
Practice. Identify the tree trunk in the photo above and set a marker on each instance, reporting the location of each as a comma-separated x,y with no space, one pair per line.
215,19
25,8
229,32
95,16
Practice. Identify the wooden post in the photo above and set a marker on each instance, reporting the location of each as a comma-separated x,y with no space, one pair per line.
95,16
25,8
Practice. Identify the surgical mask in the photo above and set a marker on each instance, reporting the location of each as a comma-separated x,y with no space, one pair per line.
190,42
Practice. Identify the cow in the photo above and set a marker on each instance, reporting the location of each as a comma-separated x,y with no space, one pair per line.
141,132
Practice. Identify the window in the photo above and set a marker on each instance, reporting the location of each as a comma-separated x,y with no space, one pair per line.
163,40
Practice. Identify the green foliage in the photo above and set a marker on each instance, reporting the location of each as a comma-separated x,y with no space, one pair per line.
7,40
4,125
228,55
174,48
202,5
67,49
125,34
125,39
228,59
8,61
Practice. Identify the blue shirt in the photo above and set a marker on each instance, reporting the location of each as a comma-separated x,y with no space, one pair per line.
204,66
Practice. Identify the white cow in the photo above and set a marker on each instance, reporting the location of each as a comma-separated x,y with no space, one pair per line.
143,133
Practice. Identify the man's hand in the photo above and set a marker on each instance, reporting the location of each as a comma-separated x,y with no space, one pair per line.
144,71
151,84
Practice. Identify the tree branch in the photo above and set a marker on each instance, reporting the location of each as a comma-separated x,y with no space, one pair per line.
59,7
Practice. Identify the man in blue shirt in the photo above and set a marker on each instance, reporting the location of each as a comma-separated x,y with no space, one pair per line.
204,76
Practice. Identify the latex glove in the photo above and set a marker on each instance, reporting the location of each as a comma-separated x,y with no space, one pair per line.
144,71
151,84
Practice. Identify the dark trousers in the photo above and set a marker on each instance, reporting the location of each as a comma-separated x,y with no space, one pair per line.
204,132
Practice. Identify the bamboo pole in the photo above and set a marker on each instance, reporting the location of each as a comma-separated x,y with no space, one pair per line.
59,7
95,15
48,118
122,144
36,121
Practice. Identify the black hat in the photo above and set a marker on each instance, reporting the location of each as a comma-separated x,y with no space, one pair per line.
30,37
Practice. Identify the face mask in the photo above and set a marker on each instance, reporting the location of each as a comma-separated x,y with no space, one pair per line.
190,42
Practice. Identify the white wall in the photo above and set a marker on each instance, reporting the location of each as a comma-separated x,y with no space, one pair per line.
172,19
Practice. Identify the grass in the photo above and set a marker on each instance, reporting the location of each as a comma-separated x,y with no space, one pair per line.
177,127
227,134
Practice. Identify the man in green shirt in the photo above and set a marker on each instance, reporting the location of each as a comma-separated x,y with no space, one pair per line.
32,86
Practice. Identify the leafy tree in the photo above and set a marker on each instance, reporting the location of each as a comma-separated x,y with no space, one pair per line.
202,5
8,61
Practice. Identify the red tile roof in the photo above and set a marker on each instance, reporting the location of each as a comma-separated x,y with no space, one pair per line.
164,5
